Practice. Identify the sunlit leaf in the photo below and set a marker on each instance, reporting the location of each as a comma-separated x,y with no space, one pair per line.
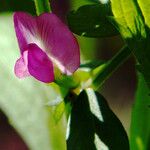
145,5
128,10
131,19
93,125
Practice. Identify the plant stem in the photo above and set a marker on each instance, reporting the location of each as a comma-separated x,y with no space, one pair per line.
104,72
42,6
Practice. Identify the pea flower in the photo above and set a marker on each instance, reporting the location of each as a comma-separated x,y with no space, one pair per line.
45,42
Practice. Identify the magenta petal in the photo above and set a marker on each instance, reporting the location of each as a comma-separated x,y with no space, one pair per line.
60,43
21,69
50,35
39,65
26,29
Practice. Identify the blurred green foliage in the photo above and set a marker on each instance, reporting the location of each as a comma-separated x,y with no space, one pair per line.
24,102
17,5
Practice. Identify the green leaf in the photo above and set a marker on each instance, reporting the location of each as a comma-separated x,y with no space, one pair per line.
91,21
132,21
129,11
140,123
24,101
93,125
145,5
59,110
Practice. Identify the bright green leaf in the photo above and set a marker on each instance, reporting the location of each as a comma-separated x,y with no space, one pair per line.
128,16
145,5
131,20
127,10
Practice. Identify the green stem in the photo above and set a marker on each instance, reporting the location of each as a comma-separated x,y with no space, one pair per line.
105,71
42,6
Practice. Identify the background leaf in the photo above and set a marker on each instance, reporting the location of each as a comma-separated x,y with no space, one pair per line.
24,101
93,126
140,123
88,46
91,21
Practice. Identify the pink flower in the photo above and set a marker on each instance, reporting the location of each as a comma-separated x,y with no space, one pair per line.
45,42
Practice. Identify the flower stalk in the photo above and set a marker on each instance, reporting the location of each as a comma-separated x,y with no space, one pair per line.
104,72
42,6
